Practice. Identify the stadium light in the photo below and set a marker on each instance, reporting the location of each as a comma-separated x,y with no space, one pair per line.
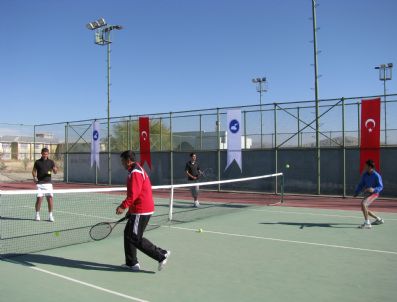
96,24
102,37
385,74
260,87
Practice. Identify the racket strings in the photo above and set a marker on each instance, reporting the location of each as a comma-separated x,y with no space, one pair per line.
100,231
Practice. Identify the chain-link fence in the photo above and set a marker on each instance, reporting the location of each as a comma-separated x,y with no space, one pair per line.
271,135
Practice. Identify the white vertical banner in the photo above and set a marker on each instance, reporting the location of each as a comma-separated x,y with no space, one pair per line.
234,137
95,144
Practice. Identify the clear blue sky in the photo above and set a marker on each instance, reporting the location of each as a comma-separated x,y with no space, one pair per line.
177,55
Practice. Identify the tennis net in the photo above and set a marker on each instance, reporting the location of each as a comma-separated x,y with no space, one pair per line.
77,210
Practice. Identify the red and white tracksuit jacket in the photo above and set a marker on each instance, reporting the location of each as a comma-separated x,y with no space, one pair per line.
139,192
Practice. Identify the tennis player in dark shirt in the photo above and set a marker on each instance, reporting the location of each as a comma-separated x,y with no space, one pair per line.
193,172
42,171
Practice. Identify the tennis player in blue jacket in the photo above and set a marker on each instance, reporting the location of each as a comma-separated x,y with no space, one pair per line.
371,185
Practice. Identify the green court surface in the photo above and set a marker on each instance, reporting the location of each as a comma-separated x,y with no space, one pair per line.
252,254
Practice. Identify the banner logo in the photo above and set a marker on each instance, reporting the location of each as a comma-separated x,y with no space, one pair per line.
95,135
144,135
368,125
234,126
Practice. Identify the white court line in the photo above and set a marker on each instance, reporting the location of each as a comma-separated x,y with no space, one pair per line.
313,214
89,285
72,213
289,241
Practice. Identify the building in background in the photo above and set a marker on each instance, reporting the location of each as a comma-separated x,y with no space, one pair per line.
26,147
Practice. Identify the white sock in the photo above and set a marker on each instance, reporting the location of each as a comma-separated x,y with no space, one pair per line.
50,214
37,213
367,221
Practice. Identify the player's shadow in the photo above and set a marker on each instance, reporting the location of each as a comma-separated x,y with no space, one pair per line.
302,225
16,218
33,259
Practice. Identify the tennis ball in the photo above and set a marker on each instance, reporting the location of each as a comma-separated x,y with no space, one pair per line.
287,166
56,234
200,230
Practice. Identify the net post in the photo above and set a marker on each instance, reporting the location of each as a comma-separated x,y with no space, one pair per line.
281,192
282,188
171,203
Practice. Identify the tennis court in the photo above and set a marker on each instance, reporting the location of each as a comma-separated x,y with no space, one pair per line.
248,252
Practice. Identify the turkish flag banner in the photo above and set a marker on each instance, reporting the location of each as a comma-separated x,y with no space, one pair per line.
144,140
370,132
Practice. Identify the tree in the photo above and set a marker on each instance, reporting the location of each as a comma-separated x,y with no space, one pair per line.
125,135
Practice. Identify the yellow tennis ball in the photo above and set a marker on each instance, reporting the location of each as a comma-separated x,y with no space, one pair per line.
200,230
287,166
56,234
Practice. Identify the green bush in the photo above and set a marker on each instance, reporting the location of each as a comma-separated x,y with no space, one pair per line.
2,166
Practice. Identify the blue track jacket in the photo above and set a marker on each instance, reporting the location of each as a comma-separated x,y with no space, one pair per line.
373,180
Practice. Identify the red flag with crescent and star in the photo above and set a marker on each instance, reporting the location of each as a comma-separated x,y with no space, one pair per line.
370,132
144,140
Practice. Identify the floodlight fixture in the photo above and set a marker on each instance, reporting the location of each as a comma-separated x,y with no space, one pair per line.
96,24
259,80
385,74
111,27
260,87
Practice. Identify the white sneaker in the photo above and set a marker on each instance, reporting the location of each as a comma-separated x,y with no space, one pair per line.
134,268
378,221
196,203
365,226
164,262
51,218
37,218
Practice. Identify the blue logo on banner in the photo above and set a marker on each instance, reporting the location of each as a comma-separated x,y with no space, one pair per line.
95,135
234,126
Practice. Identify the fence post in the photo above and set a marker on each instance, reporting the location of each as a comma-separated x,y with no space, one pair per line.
218,126
201,133
358,125
275,146
330,138
161,134
67,152
129,140
299,127
245,129
344,147
34,143
171,153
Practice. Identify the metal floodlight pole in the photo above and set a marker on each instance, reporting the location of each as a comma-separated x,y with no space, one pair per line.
314,4
260,87
102,37
108,114
385,74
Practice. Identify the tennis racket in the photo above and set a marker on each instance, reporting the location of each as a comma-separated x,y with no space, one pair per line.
207,174
103,229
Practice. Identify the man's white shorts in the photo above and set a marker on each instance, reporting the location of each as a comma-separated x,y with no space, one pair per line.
44,190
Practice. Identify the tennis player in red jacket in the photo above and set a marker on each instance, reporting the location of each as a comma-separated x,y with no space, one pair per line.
140,205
